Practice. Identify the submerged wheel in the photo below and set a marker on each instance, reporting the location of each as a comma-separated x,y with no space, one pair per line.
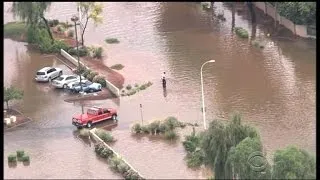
64,86
91,90
89,125
114,117
49,79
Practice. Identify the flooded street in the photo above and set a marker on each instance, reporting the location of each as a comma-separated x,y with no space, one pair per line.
273,88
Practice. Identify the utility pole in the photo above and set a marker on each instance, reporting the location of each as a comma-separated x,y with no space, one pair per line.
141,114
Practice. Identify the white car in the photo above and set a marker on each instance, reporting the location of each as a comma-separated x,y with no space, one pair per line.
64,80
46,74
76,83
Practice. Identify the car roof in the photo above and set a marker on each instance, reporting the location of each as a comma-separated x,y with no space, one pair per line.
45,69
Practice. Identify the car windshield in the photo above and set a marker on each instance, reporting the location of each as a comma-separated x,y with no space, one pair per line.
41,73
60,78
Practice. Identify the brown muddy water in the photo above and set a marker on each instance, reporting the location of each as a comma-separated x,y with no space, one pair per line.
273,88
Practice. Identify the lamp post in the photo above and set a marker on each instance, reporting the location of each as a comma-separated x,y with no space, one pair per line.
75,19
203,107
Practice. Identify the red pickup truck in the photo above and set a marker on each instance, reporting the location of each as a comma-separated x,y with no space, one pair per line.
93,115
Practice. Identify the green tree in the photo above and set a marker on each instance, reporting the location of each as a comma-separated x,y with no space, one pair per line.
241,163
298,12
218,140
293,163
11,93
90,10
32,13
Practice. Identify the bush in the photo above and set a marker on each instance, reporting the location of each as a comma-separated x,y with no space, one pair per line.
104,135
114,162
106,153
136,85
143,87
163,128
172,122
98,52
195,159
131,92
112,40
70,33
91,75
128,87
12,158
83,51
14,30
137,128
189,146
55,22
20,153
101,80
145,129
86,72
170,135
123,168
241,32
25,158
154,127
117,66
84,132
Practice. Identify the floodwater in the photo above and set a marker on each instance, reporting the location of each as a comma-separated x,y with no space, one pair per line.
273,88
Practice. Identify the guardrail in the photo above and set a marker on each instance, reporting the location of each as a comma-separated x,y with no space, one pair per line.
110,86
92,132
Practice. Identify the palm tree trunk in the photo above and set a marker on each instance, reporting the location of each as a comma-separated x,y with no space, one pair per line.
48,28
7,104
82,34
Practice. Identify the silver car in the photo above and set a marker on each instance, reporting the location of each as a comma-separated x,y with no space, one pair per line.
46,74
64,80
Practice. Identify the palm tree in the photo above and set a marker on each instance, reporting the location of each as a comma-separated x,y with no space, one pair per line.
32,13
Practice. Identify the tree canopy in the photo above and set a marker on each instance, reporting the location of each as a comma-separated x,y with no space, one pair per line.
293,163
11,93
298,12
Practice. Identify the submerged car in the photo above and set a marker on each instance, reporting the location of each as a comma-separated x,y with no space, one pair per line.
86,86
64,80
46,74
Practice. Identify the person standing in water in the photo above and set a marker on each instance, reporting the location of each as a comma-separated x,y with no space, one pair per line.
164,79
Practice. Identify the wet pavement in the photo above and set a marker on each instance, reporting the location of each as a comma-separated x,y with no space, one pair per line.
273,88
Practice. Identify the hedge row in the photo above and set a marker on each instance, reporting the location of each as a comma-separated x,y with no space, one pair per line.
132,90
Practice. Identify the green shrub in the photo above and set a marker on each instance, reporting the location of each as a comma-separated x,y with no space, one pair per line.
25,158
123,167
83,51
170,135
163,128
241,32
154,127
172,122
131,175
117,66
143,87
14,29
136,85
12,158
106,153
84,132
189,146
99,147
137,128
128,87
114,162
104,135
148,84
55,22
195,159
70,33
112,40
98,53
91,75
20,153
131,92
101,80
86,73
145,129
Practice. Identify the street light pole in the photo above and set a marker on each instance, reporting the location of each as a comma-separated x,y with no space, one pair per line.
75,19
141,114
203,107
